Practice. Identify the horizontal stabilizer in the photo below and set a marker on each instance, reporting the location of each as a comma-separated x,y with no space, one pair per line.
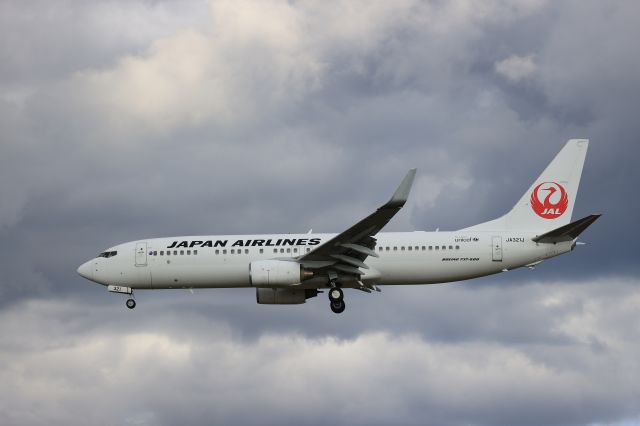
567,232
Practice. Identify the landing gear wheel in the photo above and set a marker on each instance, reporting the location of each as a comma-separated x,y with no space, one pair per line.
336,294
131,303
338,306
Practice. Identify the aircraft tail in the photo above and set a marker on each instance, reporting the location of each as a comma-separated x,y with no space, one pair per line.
548,203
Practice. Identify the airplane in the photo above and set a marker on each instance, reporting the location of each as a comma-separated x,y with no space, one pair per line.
291,268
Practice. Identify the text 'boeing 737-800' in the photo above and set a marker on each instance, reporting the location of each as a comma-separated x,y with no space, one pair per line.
291,268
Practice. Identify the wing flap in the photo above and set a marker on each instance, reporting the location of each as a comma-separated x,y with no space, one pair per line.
348,269
361,249
350,260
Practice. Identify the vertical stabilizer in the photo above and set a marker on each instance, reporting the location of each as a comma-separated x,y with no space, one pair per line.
549,202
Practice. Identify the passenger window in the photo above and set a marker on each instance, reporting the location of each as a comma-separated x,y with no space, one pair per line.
224,252
195,252
188,252
308,249
295,250
175,252
275,250
161,252
387,248
418,248
246,251
430,247
457,247
261,251
181,252
450,247
409,248
233,251
444,247
217,251
437,247
288,250
395,248
402,248
281,250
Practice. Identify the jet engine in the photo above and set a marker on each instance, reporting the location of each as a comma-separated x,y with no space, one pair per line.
276,273
284,296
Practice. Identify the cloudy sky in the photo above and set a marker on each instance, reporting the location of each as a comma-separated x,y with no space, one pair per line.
122,120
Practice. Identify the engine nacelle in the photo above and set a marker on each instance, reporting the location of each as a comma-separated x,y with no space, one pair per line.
275,273
284,296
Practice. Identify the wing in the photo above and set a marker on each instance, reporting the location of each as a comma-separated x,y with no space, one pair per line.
343,256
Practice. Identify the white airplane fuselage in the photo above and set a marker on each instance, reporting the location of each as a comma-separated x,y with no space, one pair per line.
404,258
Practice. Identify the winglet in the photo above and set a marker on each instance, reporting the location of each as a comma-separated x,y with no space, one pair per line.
402,193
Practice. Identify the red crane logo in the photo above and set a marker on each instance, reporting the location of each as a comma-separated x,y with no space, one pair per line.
554,204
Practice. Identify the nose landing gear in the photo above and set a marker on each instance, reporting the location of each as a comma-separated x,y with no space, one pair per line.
131,303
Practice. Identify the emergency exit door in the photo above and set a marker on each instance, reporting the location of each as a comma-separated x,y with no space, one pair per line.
141,254
496,248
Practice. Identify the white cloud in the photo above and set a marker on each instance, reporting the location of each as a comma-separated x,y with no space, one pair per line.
98,367
254,57
429,188
516,68
259,56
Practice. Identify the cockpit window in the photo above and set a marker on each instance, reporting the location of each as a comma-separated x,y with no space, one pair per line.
108,254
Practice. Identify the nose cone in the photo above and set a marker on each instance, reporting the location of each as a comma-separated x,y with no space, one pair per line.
86,270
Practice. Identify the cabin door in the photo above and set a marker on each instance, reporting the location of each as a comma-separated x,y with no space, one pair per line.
141,254
496,248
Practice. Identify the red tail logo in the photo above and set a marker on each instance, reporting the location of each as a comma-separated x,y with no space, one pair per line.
555,202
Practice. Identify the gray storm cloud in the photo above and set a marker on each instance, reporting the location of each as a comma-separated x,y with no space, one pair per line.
126,120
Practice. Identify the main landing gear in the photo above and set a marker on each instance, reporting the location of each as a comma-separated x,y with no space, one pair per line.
336,299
